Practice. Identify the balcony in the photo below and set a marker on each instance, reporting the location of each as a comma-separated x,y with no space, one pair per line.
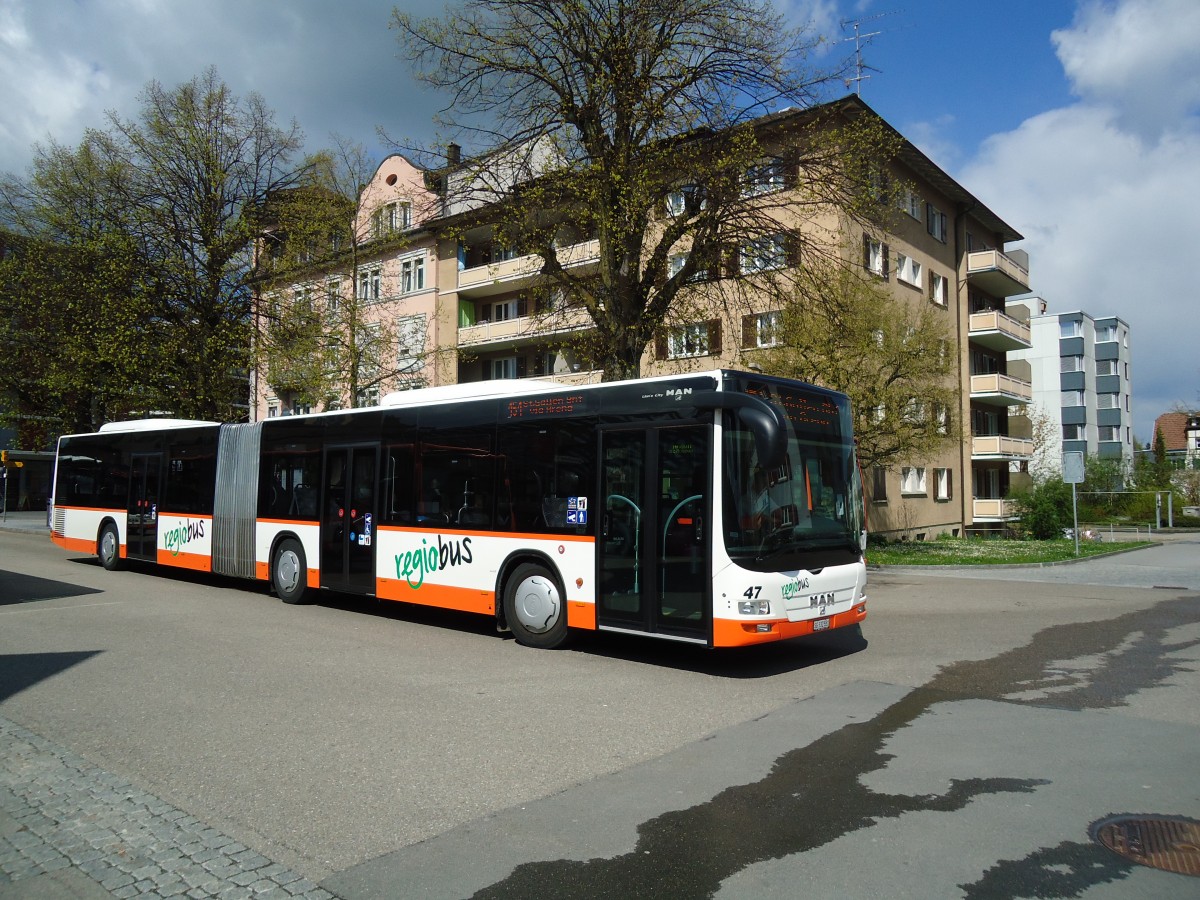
1000,390
996,331
997,273
524,329
514,274
1000,446
993,510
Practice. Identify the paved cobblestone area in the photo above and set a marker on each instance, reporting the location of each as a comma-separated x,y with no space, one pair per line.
58,812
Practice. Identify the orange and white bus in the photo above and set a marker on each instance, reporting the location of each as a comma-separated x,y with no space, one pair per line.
721,509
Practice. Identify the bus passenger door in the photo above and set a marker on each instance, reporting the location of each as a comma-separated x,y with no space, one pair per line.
141,523
653,531
349,518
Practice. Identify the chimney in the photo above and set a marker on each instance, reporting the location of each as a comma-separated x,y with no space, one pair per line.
453,154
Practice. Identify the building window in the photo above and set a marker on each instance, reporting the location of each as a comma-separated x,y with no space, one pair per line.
764,254
909,270
912,480
1072,398
765,176
875,257
502,368
1110,432
685,341
412,274
1073,433
503,311
942,482
939,289
1070,328
1070,364
676,263
1106,333
391,218
879,485
686,199
1106,367
935,222
369,283
333,294
1108,401
909,201
761,330
410,340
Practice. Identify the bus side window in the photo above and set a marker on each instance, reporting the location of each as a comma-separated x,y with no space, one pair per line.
398,469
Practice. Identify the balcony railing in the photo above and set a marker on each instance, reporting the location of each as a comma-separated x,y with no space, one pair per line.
997,273
1001,446
996,331
993,510
1000,390
512,274
524,329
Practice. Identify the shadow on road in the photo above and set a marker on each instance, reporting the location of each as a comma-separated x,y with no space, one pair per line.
16,587
19,671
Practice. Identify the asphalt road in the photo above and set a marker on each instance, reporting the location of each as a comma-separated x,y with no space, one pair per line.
959,747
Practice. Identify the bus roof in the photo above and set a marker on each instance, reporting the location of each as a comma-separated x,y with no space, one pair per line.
154,424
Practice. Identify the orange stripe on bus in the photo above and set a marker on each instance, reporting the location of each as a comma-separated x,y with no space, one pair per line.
581,615
439,595
197,562
76,545
729,633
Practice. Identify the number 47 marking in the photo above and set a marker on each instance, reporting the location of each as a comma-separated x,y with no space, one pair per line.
753,592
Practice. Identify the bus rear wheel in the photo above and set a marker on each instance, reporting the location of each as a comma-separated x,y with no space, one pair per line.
289,571
534,607
108,548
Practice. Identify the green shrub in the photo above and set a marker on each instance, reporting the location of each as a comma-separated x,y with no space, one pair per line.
1046,509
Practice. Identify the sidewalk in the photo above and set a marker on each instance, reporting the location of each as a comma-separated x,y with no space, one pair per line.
25,521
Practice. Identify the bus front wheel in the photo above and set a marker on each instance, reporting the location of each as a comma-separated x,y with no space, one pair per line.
108,548
534,607
289,571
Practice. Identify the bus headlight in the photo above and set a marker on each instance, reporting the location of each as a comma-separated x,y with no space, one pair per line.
754,607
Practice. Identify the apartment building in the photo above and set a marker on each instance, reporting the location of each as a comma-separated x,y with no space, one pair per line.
382,285
1079,368
489,314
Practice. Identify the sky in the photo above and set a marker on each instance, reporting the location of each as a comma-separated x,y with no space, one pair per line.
1076,121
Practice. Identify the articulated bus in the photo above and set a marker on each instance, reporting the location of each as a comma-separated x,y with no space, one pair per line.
721,509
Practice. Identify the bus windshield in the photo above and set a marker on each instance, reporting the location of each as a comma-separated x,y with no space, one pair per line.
804,512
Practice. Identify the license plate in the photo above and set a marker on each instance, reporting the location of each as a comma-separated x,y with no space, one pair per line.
820,624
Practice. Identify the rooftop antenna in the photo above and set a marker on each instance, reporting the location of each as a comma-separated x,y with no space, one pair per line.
861,40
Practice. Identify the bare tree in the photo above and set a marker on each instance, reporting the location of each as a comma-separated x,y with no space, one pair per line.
653,128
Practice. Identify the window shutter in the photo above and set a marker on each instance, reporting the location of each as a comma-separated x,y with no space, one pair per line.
714,337
660,344
791,244
887,261
487,370
522,307
749,332
867,252
791,170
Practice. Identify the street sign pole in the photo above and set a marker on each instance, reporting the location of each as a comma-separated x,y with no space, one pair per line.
1073,474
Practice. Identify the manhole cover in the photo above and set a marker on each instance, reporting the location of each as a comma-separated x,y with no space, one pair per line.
1171,843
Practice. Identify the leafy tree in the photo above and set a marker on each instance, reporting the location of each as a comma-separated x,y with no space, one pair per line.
844,329
76,314
640,124
201,163
144,233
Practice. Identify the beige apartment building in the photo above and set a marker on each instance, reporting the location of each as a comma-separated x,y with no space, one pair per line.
484,313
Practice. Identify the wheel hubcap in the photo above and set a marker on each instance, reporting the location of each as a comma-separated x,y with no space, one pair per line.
287,571
108,546
537,605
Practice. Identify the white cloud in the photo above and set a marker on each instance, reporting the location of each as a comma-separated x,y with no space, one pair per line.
1139,56
1106,194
